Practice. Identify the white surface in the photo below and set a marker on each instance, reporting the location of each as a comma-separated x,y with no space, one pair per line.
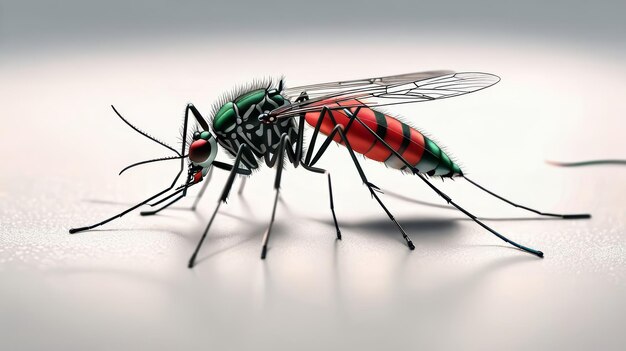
126,285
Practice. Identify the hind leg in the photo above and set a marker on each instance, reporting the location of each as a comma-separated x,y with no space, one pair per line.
448,199
564,216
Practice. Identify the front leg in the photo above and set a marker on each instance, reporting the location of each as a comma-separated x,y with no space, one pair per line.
180,171
227,187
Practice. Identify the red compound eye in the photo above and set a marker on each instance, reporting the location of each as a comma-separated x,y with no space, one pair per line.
199,151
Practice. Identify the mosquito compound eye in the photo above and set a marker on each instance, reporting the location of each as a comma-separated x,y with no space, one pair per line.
196,135
199,151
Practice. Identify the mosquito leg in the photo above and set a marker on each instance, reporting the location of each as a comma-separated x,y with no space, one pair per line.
197,115
180,171
280,156
332,206
150,213
325,113
449,200
308,164
564,216
80,229
266,236
373,188
204,186
330,194
193,208
220,165
446,197
339,129
223,197
202,122
162,200
182,190
298,158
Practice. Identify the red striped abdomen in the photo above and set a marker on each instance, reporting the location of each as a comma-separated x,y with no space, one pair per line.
412,145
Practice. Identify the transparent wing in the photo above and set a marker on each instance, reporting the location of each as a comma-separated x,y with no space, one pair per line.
384,91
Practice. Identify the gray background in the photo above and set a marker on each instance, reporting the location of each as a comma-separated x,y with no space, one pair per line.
37,25
126,286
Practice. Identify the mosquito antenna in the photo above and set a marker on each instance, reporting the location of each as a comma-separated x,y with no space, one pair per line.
150,161
144,133
586,163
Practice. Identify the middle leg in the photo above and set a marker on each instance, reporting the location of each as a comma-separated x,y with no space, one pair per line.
285,150
278,163
339,129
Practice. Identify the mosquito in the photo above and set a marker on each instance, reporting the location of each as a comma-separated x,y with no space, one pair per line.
264,123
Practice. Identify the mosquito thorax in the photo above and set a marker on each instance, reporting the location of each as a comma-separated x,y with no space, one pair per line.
238,122
266,118
251,104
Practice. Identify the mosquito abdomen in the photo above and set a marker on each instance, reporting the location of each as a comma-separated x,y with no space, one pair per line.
418,150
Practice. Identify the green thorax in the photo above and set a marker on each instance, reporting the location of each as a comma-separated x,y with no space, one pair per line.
237,122
250,104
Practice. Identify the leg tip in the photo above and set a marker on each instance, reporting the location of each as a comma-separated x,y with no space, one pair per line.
577,216
411,246
76,230
338,235
192,260
540,254
147,213
263,252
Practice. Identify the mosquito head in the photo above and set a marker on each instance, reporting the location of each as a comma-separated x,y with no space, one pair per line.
202,152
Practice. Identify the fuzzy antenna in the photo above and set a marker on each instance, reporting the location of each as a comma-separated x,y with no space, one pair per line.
144,133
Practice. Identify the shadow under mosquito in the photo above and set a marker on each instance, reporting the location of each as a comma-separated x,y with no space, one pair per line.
235,216
415,227
602,162
510,219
